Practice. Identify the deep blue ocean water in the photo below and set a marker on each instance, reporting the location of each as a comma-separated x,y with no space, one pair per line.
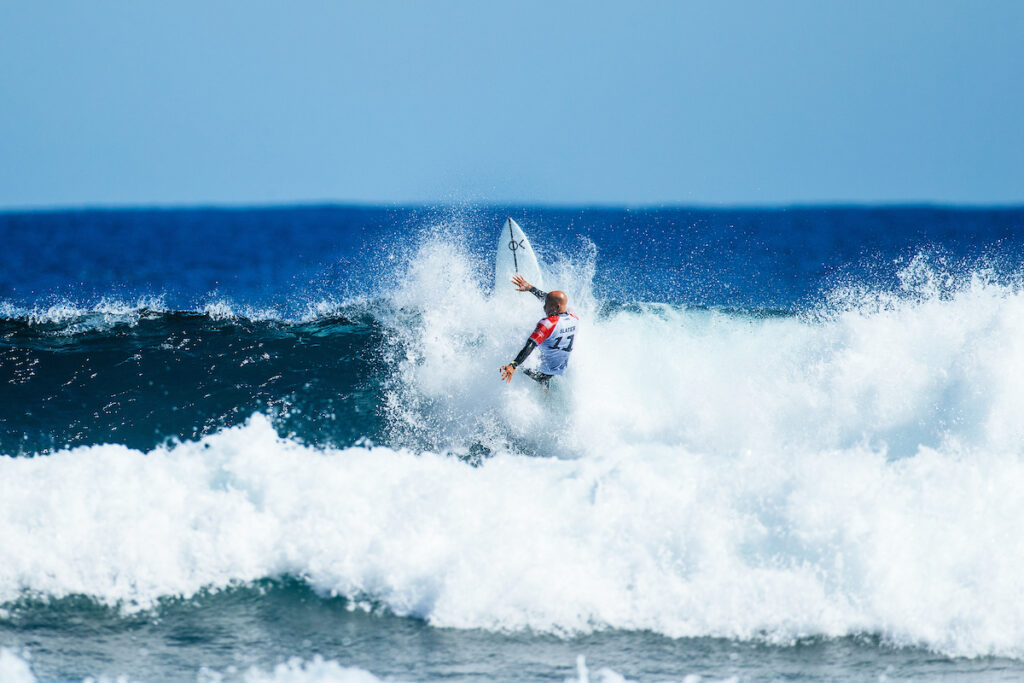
237,439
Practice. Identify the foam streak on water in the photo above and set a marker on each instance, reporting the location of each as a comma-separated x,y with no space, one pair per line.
16,669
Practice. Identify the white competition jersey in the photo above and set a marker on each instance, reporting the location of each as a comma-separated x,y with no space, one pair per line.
555,335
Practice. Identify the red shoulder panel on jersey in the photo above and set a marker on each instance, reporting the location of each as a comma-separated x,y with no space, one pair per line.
543,329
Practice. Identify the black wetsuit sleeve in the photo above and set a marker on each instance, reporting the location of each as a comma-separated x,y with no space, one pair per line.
525,352
540,294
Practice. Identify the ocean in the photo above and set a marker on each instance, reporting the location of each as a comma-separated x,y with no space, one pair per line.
272,444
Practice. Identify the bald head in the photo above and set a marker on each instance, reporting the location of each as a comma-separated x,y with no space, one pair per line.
555,302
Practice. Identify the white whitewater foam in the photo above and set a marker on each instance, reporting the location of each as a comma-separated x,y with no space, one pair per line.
929,366
316,670
924,551
606,675
13,668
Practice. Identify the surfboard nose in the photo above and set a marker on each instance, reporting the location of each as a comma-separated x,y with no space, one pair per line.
515,256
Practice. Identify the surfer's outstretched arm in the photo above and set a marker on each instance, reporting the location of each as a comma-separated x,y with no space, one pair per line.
508,370
523,286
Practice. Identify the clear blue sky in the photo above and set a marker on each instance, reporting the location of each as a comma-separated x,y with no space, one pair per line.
718,102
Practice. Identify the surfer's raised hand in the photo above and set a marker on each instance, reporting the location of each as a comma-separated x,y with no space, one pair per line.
521,284
506,372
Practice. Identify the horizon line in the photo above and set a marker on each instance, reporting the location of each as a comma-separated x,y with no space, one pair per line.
547,206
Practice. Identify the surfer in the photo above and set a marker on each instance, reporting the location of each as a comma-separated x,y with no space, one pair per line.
555,334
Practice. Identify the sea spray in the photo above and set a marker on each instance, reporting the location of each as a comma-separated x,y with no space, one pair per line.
928,367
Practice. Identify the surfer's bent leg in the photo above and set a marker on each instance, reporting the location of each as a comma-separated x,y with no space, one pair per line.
543,379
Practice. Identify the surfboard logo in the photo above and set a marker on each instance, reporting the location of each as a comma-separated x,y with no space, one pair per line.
513,245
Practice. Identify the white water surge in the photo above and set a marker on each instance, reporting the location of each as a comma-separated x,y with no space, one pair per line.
924,550
939,366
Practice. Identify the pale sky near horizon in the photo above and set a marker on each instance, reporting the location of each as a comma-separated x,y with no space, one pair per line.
733,102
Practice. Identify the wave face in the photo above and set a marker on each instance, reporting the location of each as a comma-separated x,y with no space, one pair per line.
834,464
933,363
138,376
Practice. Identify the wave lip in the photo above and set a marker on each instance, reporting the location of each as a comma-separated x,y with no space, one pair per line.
74,316
67,312
923,551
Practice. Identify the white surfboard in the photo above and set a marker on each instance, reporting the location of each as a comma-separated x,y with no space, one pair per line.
515,255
